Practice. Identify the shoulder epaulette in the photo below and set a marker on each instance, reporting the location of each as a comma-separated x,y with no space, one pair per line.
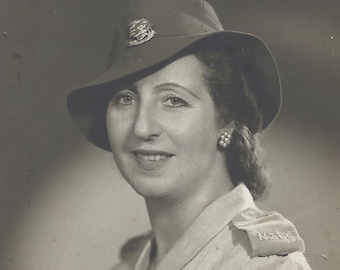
269,232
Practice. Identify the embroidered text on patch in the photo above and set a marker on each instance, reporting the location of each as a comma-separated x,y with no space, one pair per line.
275,236
140,31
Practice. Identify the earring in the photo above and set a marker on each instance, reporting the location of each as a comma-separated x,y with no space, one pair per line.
224,139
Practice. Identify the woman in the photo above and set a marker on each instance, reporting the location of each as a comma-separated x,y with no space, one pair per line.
181,107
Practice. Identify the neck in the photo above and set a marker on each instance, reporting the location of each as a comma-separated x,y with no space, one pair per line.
171,217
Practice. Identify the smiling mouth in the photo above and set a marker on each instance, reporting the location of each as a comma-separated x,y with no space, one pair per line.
153,157
151,160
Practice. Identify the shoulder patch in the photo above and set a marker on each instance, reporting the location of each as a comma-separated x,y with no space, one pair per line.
269,232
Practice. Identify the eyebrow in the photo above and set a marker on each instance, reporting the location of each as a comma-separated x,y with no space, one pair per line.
132,87
177,86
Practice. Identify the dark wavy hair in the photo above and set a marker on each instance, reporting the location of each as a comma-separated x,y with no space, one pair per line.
234,100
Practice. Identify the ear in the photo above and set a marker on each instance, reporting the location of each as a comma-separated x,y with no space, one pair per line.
225,136
229,128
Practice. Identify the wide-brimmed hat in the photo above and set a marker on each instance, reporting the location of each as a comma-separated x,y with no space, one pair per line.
155,31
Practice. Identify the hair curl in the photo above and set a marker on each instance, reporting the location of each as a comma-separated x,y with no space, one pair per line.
235,101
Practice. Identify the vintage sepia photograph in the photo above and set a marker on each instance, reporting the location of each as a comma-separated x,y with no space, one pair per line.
169,134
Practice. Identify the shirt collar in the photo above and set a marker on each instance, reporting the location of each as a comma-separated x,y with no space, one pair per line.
208,224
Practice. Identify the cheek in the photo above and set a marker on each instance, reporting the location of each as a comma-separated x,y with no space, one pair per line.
117,129
199,131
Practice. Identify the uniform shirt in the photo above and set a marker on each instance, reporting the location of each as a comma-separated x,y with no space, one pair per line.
230,233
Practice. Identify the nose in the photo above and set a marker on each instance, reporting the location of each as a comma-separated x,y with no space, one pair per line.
146,126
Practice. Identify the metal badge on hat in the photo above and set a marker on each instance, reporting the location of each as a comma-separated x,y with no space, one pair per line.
140,31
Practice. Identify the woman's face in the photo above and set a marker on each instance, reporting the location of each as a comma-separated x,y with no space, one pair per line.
163,131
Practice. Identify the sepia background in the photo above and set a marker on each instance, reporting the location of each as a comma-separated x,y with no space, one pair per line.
63,205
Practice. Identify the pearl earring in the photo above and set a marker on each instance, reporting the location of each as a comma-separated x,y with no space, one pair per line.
224,139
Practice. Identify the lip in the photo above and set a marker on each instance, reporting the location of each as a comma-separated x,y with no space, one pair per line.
151,159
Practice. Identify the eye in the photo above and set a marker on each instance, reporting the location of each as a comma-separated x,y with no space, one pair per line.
174,101
124,98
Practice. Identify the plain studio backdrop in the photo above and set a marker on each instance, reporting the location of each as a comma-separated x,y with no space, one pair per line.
63,204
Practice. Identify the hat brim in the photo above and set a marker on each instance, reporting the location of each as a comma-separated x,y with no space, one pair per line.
88,104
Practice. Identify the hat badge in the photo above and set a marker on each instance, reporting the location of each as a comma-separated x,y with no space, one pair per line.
140,31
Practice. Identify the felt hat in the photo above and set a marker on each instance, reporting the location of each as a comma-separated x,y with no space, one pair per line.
155,31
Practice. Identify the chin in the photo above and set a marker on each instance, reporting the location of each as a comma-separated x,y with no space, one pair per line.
152,193
150,187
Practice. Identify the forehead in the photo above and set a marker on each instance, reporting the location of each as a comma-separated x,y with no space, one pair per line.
185,71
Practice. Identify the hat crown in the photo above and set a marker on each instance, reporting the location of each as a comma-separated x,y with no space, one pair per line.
162,18
176,17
